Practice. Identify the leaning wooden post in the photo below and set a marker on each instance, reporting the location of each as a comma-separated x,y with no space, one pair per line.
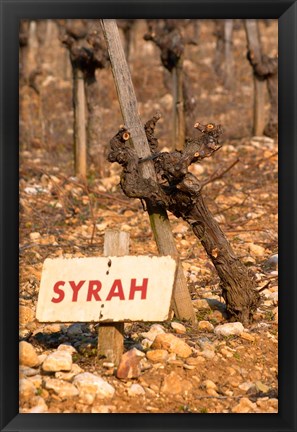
254,44
111,335
79,108
179,124
182,304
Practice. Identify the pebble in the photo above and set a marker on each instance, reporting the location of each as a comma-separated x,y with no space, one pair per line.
175,362
229,329
178,327
248,261
261,387
195,361
158,355
207,353
246,386
189,367
271,263
27,355
244,406
256,250
205,326
153,332
129,366
172,343
146,343
247,336
175,384
201,304
136,390
108,365
57,361
208,384
68,348
34,236
91,386
50,328
63,389
68,376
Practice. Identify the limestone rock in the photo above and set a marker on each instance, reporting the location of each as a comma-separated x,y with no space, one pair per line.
158,355
61,388
129,366
229,329
172,343
68,348
57,361
153,332
91,386
136,390
26,389
28,355
178,328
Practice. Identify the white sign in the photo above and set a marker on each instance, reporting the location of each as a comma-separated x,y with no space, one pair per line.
106,289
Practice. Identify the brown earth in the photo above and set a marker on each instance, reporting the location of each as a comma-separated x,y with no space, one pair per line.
62,216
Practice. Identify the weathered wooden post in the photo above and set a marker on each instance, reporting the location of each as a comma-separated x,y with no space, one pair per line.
79,108
111,336
254,45
182,304
179,124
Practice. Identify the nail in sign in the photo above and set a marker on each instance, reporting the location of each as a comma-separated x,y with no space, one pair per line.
106,289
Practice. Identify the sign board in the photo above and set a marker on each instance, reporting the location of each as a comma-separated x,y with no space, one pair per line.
106,289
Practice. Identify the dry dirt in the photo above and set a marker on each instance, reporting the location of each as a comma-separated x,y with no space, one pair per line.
63,216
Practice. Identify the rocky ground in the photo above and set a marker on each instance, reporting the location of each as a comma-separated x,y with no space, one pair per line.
170,367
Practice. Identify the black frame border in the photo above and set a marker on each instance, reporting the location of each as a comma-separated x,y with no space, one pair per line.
11,12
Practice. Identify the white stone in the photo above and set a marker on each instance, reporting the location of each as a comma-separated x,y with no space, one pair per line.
68,348
26,389
178,327
136,390
68,376
229,329
61,388
146,343
57,361
91,386
153,332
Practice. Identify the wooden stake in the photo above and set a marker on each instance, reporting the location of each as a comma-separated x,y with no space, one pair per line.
229,64
111,335
79,107
158,217
254,44
179,124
